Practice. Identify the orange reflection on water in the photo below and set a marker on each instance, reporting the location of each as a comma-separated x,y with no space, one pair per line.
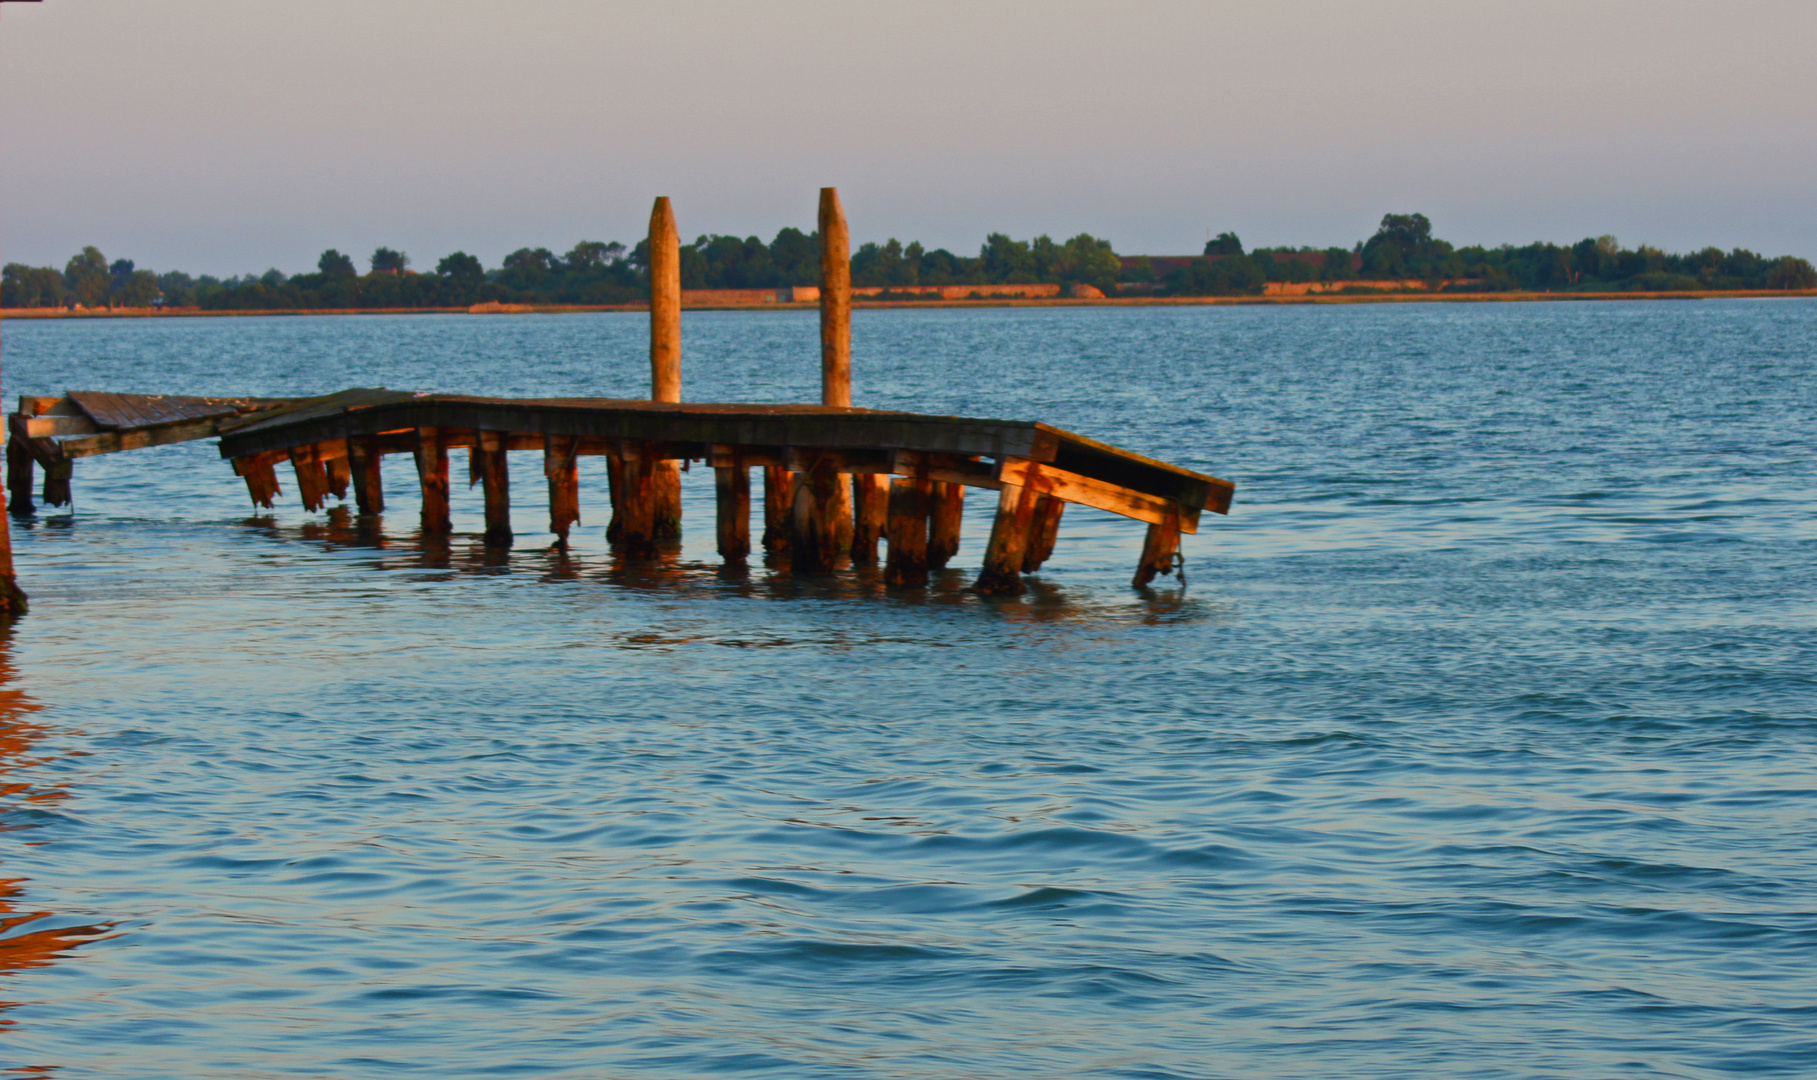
22,950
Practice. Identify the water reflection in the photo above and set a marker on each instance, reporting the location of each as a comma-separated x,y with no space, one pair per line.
23,947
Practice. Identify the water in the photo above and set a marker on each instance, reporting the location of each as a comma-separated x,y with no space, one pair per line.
1478,744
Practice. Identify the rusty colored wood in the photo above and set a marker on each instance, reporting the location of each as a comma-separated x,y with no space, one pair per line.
732,487
944,520
432,474
636,510
665,303
260,473
19,478
835,302
312,478
665,488
1159,549
561,465
822,504
1043,532
908,527
57,472
1099,494
363,459
615,488
1008,547
495,480
778,509
870,512
339,471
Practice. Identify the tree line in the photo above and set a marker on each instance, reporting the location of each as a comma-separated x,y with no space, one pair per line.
595,272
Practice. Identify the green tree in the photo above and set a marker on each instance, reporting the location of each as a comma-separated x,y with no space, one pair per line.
462,277
1226,244
24,286
333,264
87,277
387,261
1791,273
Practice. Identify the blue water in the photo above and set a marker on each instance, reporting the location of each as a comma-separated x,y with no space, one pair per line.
1479,743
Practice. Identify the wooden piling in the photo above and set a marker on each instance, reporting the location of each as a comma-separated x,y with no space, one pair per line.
363,460
561,465
1008,547
946,516
819,545
615,488
665,355
312,478
19,478
261,478
495,480
1042,533
778,509
908,533
432,473
835,302
870,512
637,504
1159,548
732,486
339,473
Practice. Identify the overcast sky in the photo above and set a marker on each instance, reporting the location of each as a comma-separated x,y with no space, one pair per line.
226,136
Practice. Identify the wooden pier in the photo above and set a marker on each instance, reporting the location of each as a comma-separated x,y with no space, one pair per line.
838,481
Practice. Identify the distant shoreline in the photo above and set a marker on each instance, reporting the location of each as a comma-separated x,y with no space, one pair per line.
992,302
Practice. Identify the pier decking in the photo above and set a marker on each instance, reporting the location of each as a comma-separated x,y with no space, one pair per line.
838,480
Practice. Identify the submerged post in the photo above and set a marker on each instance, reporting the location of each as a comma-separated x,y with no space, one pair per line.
363,459
561,467
665,356
432,472
495,480
946,517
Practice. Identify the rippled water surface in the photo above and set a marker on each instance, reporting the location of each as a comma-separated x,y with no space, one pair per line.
1479,744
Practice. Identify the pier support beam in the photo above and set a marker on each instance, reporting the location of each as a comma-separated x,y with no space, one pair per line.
636,511
732,485
908,521
312,478
432,472
363,460
1042,533
870,511
819,545
778,509
1159,549
1008,548
495,480
665,355
19,478
946,515
261,478
562,468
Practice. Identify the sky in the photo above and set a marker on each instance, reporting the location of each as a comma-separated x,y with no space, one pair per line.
228,136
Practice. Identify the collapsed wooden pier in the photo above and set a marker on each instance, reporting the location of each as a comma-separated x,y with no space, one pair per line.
837,480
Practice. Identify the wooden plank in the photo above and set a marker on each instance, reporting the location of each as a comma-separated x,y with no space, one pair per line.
1096,493
48,405
45,427
114,442
908,533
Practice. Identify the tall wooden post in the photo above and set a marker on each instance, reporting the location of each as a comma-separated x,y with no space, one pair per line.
432,471
665,354
943,529
836,353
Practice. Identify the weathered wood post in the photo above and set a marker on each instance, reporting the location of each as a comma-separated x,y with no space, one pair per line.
339,472
665,354
778,508
363,460
822,505
907,565
312,478
432,472
561,465
19,477
836,348
495,480
732,487
943,529
1043,532
1008,547
1159,548
637,501
261,477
